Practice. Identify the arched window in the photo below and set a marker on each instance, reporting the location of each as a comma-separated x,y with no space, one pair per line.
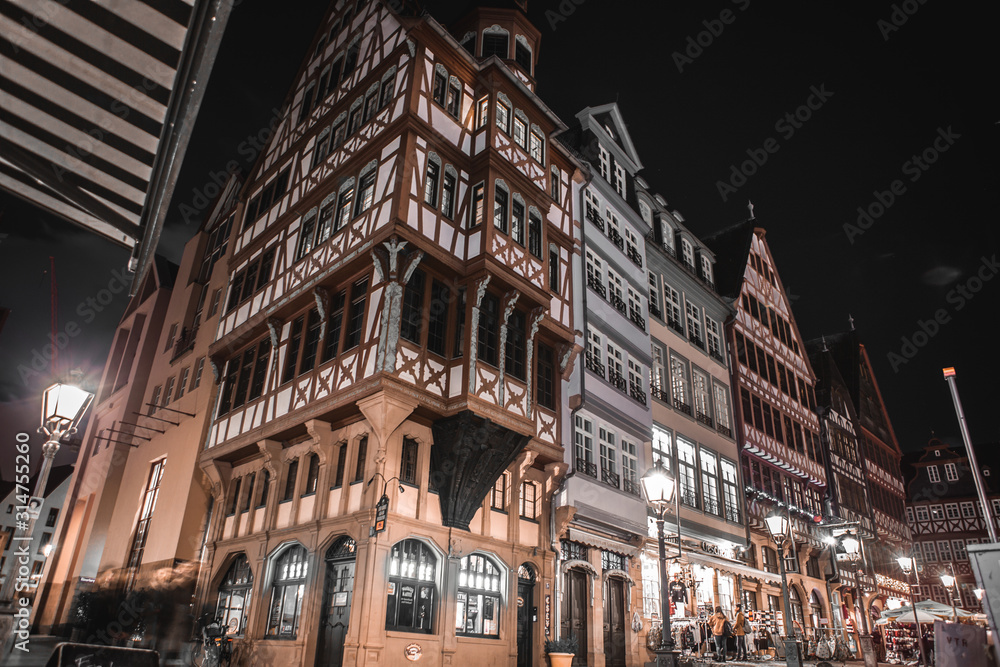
234,597
412,594
478,600
796,603
815,610
290,573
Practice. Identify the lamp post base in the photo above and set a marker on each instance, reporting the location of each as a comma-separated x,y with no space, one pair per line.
793,652
868,651
664,658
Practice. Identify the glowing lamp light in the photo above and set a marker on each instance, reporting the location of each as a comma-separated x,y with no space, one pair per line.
851,544
949,372
63,405
658,485
905,564
947,580
777,525
48,549
979,593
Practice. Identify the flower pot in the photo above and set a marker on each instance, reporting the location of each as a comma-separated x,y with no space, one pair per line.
561,659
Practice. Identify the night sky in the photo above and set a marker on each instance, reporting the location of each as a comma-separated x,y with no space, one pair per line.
890,108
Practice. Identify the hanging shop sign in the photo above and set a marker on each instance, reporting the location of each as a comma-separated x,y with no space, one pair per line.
381,513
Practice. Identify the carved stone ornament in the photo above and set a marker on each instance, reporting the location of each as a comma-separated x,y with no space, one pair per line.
474,330
469,454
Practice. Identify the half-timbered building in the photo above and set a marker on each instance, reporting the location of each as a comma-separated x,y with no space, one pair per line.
881,455
776,426
945,516
392,350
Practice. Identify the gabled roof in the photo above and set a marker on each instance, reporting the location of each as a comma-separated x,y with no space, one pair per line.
732,251
828,377
608,117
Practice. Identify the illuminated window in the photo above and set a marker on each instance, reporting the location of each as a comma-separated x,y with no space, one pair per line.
290,572
234,597
412,591
478,598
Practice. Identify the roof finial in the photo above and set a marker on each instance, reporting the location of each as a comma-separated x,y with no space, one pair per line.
750,208
850,319
825,348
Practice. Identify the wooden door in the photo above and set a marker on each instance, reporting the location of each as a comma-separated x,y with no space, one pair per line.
338,592
576,600
614,623
525,622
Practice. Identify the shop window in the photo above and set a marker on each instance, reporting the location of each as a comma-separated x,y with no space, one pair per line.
412,591
290,572
478,598
234,597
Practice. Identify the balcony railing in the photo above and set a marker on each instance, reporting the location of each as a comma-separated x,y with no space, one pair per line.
675,324
595,217
708,282
631,486
655,311
637,392
659,245
587,468
617,379
637,318
617,302
697,340
732,514
658,392
715,354
712,506
724,430
594,365
682,406
689,498
634,255
616,237
184,342
594,283
610,478
703,418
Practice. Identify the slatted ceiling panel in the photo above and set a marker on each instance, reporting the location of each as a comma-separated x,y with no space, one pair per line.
91,121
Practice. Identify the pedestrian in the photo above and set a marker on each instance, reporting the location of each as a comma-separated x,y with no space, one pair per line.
718,622
739,628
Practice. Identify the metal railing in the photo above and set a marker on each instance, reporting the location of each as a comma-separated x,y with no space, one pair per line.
655,311
594,283
586,467
658,392
689,498
617,379
610,478
712,506
629,485
634,255
637,318
617,302
595,217
724,430
703,418
682,406
675,324
616,237
697,340
595,365
637,392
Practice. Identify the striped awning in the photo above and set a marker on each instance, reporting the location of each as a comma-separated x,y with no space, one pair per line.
97,103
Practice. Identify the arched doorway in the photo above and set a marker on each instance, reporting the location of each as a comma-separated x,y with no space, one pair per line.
338,590
795,600
816,612
576,602
525,615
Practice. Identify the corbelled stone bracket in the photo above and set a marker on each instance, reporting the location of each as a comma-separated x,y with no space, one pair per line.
469,454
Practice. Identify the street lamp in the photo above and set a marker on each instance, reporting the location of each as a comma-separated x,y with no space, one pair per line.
659,486
854,550
63,406
906,564
949,582
978,592
777,526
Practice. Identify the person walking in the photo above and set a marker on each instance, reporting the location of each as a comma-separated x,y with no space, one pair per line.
739,629
718,622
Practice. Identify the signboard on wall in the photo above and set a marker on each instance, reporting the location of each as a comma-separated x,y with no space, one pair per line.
958,644
548,615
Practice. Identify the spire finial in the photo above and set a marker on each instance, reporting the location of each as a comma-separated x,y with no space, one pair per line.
825,348
850,319
750,208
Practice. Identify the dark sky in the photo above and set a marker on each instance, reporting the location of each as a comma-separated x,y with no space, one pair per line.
704,87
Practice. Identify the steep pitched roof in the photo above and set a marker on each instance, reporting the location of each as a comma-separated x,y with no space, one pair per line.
828,376
608,117
732,251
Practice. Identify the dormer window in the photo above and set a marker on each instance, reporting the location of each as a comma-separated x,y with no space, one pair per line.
496,42
522,55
